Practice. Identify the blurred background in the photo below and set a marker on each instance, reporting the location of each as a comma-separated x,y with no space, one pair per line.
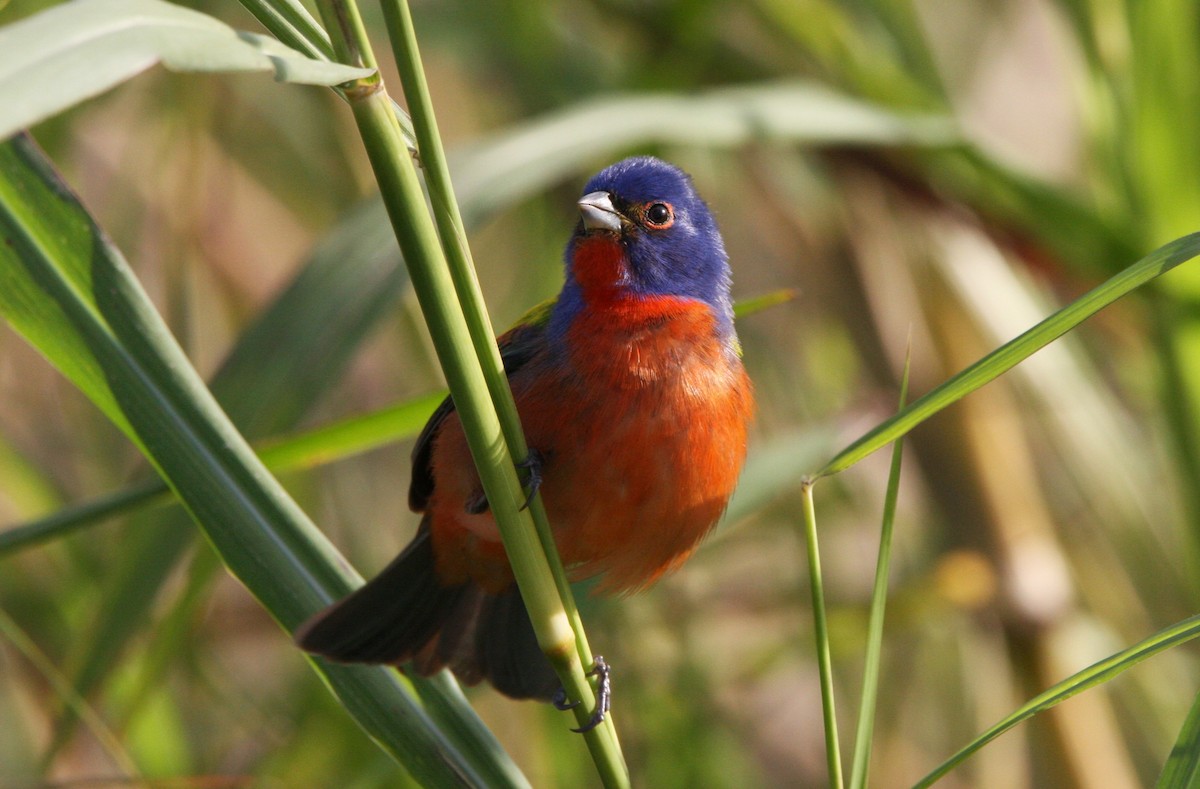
940,172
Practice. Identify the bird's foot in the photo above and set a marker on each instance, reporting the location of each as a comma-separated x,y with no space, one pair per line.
478,504
560,700
532,463
603,672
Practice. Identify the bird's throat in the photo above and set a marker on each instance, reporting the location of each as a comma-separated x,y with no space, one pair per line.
600,266
601,269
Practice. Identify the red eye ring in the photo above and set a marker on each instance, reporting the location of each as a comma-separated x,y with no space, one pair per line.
658,215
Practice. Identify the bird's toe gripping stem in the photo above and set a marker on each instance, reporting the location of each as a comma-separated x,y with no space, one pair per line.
533,464
603,672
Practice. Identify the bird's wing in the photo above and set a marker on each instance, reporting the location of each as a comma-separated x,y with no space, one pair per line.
517,346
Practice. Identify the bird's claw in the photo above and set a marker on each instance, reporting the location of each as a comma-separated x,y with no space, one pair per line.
560,701
478,504
603,673
533,464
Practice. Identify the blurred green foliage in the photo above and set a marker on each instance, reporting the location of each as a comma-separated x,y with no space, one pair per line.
1044,523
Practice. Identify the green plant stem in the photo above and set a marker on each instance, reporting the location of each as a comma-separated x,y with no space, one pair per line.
290,22
871,666
348,36
404,200
435,292
821,627
452,235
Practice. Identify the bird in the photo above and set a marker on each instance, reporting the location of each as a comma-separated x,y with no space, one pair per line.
636,407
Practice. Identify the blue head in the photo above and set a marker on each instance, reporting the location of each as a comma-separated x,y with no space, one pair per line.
668,240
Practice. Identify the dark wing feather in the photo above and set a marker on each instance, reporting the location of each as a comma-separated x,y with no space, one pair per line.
517,346
405,613
507,651
391,617
421,487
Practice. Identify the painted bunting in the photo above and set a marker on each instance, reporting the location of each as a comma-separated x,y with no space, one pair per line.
635,406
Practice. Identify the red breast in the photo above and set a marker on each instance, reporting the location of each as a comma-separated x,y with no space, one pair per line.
642,424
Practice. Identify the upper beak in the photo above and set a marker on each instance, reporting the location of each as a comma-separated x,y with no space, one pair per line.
598,212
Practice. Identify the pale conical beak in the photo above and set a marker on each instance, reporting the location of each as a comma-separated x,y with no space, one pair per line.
598,212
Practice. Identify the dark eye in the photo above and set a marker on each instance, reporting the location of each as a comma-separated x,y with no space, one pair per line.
659,216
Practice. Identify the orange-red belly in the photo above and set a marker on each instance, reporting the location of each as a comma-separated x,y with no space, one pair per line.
642,427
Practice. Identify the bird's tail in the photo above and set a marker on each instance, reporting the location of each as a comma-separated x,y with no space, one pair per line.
406,614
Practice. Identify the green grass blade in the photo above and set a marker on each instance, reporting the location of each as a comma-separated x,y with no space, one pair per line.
1182,769
70,519
1015,351
59,276
523,161
879,594
1090,677
279,368
290,22
833,754
336,441
74,51
350,436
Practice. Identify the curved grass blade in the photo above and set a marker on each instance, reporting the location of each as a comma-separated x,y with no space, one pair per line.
521,162
74,51
1182,769
1090,677
70,519
70,293
861,762
279,368
1015,351
336,441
